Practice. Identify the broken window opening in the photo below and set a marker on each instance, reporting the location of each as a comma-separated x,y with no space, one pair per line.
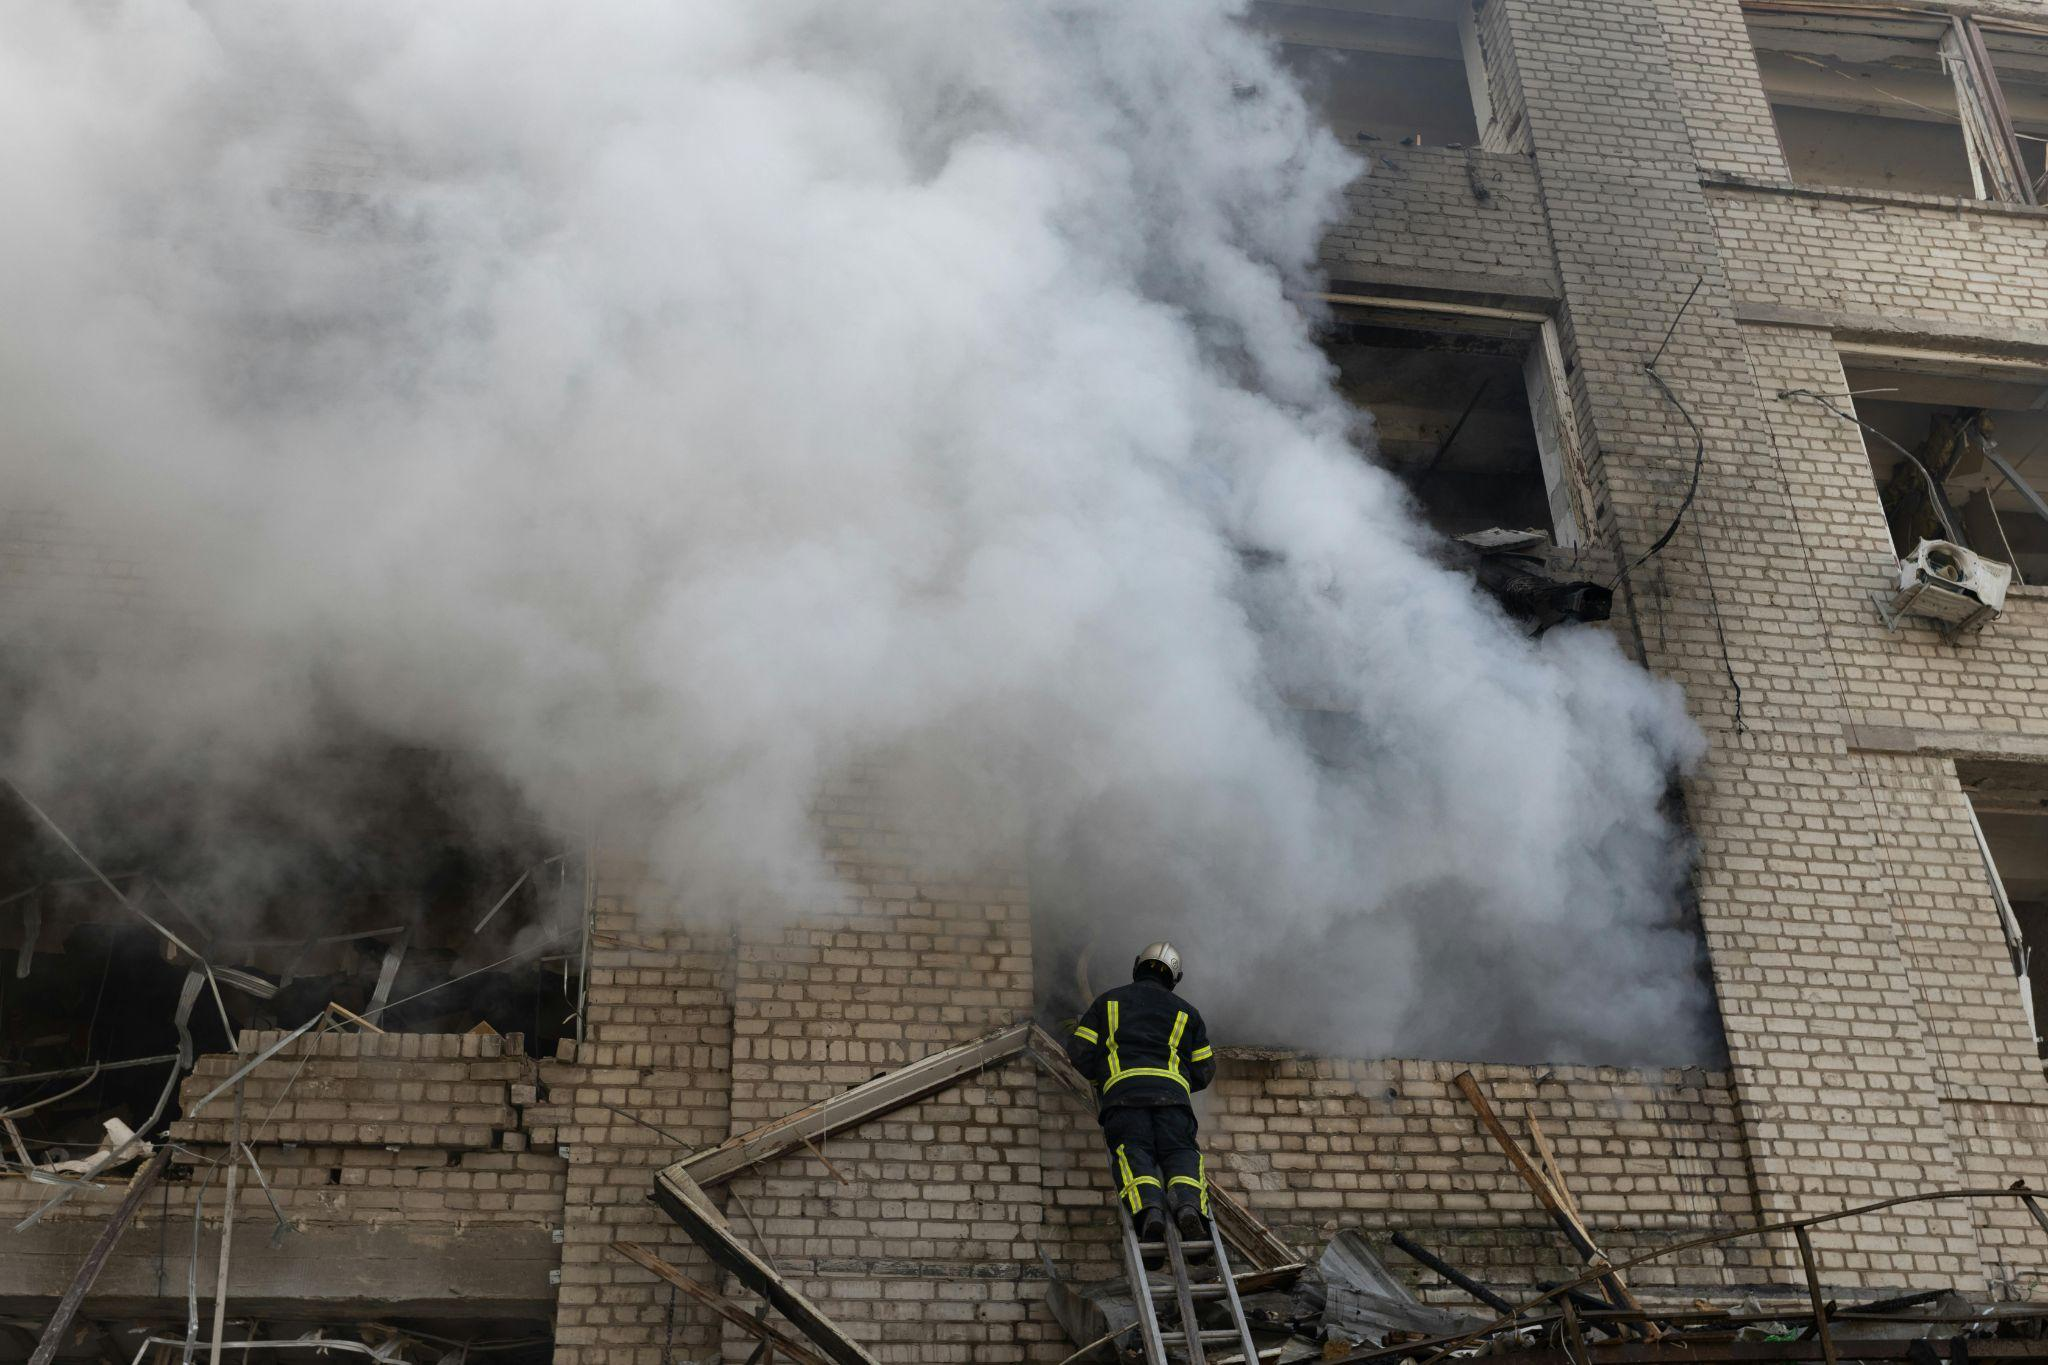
2009,810
1469,410
420,895
1385,71
2020,60
1979,429
1910,101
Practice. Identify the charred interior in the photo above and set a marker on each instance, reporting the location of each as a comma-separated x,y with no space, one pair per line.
1450,410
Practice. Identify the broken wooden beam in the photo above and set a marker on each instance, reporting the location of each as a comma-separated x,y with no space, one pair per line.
684,1200
849,1108
1555,1173
59,1325
1237,1223
770,1337
1553,1203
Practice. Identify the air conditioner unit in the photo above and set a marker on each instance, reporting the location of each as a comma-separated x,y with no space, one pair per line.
1941,581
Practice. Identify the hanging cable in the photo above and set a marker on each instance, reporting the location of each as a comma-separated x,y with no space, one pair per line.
1699,449
1935,496
1699,460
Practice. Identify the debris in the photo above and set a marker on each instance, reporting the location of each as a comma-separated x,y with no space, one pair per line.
837,1174
503,900
1541,1142
92,1074
182,1019
227,1232
31,929
635,1118
684,1201
1516,568
342,1015
1364,1301
132,904
387,975
115,1147
95,1067
234,1077
1553,1203
246,981
1820,1312
772,1338
1452,1274
277,1234
871,1099
59,1326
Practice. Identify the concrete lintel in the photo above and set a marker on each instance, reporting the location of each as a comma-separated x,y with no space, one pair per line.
1850,194
1519,293
1907,739
481,1270
2027,343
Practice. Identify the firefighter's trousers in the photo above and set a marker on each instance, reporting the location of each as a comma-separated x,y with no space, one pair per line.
1153,1157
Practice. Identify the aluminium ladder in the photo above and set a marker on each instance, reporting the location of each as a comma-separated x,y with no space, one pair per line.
1186,1293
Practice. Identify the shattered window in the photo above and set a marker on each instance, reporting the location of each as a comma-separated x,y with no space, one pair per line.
2021,61
2009,803
1383,71
1977,437
1865,102
1894,99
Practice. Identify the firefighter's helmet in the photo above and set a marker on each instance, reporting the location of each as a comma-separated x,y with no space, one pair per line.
1160,957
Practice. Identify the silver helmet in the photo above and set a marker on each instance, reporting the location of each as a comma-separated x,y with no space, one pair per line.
1162,955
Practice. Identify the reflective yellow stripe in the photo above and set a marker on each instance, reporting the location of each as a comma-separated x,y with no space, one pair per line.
1202,1054
1087,1033
1200,1180
1161,1072
1118,1072
1130,1188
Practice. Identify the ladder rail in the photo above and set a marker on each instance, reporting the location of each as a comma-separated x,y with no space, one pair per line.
1223,1272
1141,1290
1190,1320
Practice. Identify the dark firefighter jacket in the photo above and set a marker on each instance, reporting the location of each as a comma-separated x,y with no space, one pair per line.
1142,1045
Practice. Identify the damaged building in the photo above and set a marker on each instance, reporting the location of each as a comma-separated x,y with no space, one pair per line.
1710,315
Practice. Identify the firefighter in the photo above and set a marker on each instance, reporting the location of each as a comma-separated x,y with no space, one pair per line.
1147,1052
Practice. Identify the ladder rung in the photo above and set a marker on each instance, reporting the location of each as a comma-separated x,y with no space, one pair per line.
1204,1245
1215,1336
1207,1289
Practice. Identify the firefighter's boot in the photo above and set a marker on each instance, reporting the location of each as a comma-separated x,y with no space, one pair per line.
1188,1221
1152,1236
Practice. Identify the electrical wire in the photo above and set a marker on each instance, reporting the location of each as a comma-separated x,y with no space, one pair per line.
1699,460
1935,495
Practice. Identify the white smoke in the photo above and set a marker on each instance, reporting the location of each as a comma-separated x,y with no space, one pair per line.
685,401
